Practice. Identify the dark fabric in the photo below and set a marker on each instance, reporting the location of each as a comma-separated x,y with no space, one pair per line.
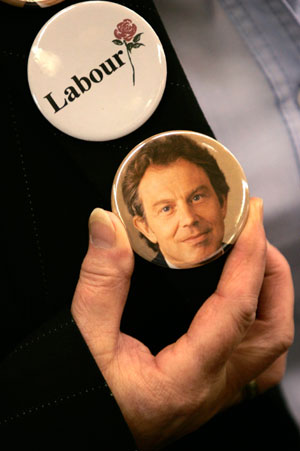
51,392
160,260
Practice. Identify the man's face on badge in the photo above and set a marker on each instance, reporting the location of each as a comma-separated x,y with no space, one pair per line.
182,212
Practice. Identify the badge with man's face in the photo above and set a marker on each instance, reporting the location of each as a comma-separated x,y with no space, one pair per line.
183,198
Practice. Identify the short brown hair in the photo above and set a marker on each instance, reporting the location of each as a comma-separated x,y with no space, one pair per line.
162,152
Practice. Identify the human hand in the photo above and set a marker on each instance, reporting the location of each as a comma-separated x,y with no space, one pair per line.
240,333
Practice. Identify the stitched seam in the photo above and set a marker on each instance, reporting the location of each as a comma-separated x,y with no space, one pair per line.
283,17
108,145
179,85
47,333
28,196
117,146
54,403
105,145
13,53
259,45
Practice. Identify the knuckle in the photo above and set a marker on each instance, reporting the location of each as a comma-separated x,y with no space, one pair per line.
247,314
285,266
287,339
92,283
110,270
97,283
285,269
283,342
247,317
81,307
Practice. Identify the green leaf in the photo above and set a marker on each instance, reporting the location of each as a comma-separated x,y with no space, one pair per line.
137,45
137,37
117,42
130,46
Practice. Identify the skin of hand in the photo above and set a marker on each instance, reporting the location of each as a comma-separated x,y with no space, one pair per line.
242,332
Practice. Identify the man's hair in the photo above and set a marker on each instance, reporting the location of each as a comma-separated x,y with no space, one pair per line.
162,152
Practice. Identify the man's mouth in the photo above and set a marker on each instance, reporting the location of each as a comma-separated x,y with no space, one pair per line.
197,237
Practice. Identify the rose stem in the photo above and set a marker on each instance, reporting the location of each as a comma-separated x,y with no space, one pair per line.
133,71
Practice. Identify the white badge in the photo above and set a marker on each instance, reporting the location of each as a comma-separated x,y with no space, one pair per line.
97,70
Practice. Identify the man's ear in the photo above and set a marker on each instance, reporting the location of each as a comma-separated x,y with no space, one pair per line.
141,225
224,206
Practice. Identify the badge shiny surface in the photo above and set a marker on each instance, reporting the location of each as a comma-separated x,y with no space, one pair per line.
97,70
183,198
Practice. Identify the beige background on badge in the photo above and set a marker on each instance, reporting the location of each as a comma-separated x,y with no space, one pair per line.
238,196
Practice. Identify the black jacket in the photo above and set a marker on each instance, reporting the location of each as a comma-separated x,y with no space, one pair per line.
159,259
51,392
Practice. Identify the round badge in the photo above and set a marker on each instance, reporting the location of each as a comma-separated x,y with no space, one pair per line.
183,198
97,70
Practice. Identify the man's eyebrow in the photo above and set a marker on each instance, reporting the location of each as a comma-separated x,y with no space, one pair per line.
161,202
202,187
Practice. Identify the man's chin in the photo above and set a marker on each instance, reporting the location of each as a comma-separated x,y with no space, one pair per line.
197,260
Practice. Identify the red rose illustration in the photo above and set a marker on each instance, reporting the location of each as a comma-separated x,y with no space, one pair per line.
125,30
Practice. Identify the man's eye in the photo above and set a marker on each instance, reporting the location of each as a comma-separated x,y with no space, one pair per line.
166,209
197,197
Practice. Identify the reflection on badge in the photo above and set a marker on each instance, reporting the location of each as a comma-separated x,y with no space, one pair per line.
183,198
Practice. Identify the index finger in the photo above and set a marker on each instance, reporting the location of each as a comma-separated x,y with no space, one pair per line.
224,319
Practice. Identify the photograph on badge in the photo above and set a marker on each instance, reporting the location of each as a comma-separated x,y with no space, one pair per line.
183,198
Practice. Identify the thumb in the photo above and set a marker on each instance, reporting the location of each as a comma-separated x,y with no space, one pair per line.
103,284
225,318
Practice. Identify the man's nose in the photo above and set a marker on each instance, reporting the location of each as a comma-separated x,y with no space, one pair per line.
187,215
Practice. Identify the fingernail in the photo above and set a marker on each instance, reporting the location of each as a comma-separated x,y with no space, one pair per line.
102,232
